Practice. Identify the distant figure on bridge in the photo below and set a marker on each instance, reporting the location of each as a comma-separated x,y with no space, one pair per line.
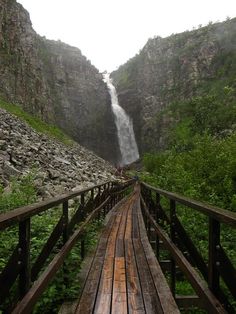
119,171
136,178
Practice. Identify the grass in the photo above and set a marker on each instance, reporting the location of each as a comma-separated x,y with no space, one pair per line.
36,123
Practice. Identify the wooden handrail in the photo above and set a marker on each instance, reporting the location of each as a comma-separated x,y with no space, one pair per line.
92,206
101,201
22,213
34,293
221,215
208,298
218,265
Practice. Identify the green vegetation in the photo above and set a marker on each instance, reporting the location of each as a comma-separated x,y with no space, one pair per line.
206,172
22,192
123,76
36,123
66,284
200,159
200,162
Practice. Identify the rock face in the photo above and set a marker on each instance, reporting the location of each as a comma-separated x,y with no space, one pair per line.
55,82
173,69
59,168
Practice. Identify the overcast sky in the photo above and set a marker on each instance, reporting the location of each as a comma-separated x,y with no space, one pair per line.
109,32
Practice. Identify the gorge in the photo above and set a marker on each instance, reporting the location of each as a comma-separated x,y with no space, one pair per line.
173,104
56,83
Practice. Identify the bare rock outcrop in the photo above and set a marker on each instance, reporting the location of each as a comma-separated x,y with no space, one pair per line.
55,82
58,168
170,70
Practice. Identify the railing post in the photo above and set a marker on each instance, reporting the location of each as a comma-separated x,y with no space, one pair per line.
65,208
24,254
145,216
110,203
213,262
104,210
82,242
173,238
82,247
148,224
82,201
103,194
99,194
92,194
150,208
142,208
65,221
105,206
113,200
157,220
96,202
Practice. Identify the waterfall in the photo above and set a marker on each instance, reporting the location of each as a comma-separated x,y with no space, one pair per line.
124,125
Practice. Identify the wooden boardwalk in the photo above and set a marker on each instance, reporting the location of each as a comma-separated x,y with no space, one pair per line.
125,276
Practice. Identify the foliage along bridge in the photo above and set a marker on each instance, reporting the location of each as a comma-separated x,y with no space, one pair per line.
127,272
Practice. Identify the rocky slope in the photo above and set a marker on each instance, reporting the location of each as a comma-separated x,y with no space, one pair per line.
59,168
55,82
173,69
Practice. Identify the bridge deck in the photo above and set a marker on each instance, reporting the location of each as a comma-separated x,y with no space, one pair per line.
125,276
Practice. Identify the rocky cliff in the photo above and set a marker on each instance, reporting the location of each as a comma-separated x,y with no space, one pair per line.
173,69
58,168
55,82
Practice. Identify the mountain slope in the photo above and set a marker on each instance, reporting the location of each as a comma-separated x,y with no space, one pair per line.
55,82
173,70
57,167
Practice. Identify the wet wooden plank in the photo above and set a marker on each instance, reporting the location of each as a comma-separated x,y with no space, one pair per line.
150,297
104,295
120,235
119,296
88,297
168,304
103,301
126,281
134,292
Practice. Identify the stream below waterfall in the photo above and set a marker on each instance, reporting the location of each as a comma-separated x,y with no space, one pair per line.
124,126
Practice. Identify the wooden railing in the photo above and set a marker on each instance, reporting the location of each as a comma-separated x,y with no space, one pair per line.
164,228
92,202
185,255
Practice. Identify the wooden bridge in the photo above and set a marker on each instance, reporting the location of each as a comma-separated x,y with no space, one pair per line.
127,272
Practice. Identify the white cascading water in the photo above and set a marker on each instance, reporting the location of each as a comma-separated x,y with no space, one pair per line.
124,125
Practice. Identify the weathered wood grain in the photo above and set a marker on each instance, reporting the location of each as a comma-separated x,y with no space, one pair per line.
104,295
125,276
